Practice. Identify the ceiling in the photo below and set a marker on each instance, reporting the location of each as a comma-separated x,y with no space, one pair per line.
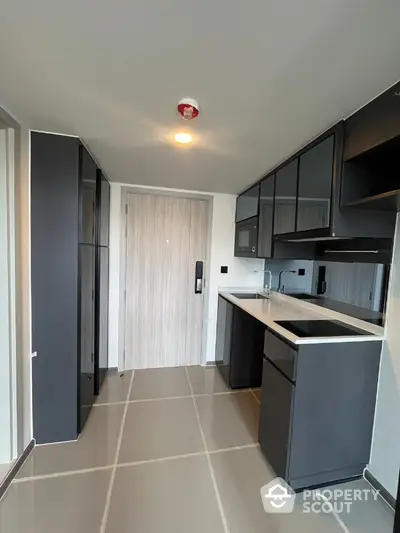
269,76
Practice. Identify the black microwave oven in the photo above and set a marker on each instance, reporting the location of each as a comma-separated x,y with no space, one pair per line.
246,238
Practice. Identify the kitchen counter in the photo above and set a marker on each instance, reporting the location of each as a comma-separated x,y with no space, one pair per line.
279,306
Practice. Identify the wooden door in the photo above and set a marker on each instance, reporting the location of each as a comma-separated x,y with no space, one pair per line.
166,235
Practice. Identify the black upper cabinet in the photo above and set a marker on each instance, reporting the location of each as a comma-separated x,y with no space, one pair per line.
285,199
247,204
315,186
88,184
371,155
374,124
266,217
103,209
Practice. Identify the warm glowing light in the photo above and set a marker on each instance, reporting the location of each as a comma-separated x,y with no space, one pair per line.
183,138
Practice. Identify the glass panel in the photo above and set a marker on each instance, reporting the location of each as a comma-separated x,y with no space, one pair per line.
285,199
103,313
87,256
266,217
104,212
247,204
88,176
315,184
244,238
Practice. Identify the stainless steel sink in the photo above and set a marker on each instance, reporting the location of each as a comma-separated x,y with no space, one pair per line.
248,296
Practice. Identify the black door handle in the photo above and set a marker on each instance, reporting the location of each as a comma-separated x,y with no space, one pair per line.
198,280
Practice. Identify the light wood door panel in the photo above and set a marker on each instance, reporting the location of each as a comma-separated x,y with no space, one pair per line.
166,235
195,302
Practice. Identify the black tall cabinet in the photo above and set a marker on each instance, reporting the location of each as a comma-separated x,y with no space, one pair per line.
69,258
101,279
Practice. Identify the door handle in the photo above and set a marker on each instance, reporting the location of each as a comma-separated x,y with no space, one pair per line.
198,280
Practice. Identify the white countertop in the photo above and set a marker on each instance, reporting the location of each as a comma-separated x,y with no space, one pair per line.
281,307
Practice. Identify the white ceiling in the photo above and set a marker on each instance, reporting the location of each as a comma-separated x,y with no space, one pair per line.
269,76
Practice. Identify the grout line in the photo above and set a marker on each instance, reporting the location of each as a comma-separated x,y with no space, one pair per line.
133,463
243,447
240,391
122,402
121,432
336,516
214,481
62,474
160,460
255,397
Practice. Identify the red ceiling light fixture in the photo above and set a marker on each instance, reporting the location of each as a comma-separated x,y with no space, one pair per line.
188,108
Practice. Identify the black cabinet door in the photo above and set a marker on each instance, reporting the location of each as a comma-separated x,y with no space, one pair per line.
275,418
246,350
88,183
224,337
315,186
101,334
247,204
266,217
87,329
104,210
285,199
54,274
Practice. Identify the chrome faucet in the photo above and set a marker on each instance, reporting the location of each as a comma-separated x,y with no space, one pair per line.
269,285
282,288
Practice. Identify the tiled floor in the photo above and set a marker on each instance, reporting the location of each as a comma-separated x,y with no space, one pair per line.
169,450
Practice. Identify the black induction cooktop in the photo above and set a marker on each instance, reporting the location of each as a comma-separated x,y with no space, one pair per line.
320,328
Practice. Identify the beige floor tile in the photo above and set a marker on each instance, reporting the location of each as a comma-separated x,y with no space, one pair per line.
240,474
206,380
115,387
96,446
367,516
161,428
175,496
58,505
228,419
160,383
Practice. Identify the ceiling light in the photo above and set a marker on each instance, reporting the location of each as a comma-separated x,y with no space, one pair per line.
183,138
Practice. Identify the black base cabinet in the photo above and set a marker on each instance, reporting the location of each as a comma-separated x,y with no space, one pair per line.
317,409
69,224
239,347
275,414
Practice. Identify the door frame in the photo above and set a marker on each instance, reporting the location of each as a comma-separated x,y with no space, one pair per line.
177,193
12,395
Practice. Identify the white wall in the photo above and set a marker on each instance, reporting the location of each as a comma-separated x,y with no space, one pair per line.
385,453
240,271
